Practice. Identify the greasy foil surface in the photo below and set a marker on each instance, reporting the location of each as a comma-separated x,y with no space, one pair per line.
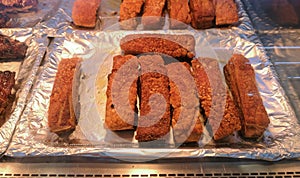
25,72
97,47
44,10
281,42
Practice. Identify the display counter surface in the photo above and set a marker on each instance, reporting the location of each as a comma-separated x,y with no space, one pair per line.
75,167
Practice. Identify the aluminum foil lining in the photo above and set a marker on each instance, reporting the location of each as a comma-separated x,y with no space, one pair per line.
61,19
33,138
25,73
44,10
281,42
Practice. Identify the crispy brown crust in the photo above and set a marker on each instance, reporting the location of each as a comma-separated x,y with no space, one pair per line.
84,13
177,46
11,49
212,90
154,122
226,12
61,118
203,13
179,12
153,12
186,117
117,118
7,82
240,77
129,11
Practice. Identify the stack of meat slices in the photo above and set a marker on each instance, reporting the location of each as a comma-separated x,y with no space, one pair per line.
200,14
9,50
186,94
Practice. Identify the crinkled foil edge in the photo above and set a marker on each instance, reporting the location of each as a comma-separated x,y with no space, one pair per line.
25,78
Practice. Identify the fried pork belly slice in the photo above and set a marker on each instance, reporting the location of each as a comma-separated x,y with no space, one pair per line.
11,49
226,12
240,77
123,78
129,11
84,13
152,17
7,82
179,12
219,108
177,46
61,116
186,117
203,13
154,120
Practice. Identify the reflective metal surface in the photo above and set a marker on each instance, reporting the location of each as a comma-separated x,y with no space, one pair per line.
227,168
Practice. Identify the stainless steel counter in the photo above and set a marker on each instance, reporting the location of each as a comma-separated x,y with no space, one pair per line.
85,167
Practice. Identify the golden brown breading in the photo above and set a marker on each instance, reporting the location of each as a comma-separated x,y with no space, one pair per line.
61,118
84,13
129,11
226,12
124,80
153,12
240,77
179,12
186,117
203,13
177,46
154,120
216,101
